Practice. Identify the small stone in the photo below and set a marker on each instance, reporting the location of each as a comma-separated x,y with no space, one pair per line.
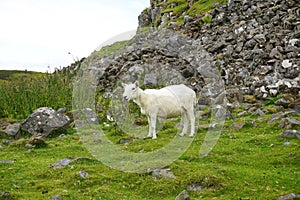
5,195
282,102
243,113
286,143
163,173
258,112
57,197
13,130
128,140
286,64
288,123
125,140
83,174
290,134
253,122
62,136
289,196
273,92
260,38
237,125
194,187
6,142
90,116
36,140
7,161
183,196
61,110
62,163
293,41
275,53
295,105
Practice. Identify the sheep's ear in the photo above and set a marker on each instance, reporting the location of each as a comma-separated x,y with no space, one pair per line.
136,83
123,84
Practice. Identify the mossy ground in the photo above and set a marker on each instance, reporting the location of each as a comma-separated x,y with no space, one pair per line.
200,8
251,163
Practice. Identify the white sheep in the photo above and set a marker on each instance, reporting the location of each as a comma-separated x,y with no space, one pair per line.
170,101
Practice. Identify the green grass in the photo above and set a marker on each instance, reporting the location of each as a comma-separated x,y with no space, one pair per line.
200,8
111,50
252,163
181,6
21,93
17,74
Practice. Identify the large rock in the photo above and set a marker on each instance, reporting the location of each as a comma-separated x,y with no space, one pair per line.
45,121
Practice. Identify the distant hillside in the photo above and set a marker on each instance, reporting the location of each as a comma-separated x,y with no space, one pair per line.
17,74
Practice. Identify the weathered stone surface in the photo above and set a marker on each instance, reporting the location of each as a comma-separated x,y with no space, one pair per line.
183,196
128,140
289,196
36,140
57,197
194,187
295,105
163,173
91,116
259,112
83,174
288,123
64,162
238,125
13,130
290,134
45,121
6,195
7,161
280,115
249,40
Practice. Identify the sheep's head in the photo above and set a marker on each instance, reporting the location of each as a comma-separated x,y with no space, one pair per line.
130,91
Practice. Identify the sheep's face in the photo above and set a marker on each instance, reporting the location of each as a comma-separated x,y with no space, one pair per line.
130,91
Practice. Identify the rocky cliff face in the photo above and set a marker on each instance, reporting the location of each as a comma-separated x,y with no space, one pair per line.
255,45
151,14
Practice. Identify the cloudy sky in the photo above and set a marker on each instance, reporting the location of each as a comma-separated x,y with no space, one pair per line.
35,34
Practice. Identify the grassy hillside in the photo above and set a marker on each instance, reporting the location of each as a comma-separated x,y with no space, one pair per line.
24,91
17,74
251,163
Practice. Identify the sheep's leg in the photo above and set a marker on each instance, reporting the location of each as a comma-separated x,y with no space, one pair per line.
150,127
153,126
191,117
185,124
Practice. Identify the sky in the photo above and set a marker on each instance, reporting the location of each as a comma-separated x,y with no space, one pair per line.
37,35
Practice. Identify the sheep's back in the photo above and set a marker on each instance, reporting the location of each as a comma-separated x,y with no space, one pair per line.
171,100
